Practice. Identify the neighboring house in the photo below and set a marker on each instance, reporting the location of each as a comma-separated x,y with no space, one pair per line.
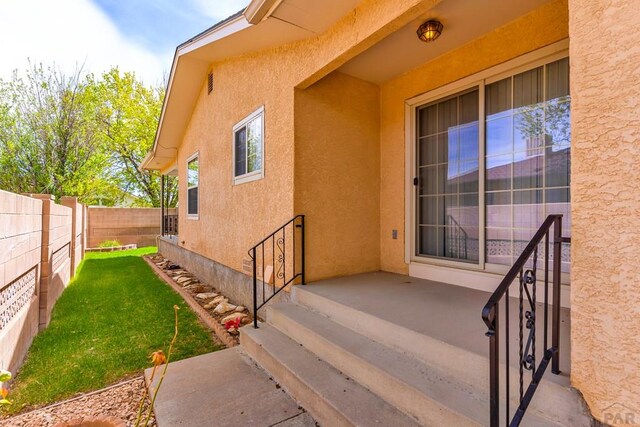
436,161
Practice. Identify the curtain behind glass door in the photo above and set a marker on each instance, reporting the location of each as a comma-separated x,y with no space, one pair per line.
447,164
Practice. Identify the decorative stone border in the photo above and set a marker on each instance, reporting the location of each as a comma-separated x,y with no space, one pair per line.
212,323
113,248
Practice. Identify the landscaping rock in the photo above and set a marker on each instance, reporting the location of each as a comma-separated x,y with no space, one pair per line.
206,295
196,289
240,309
214,302
233,316
224,307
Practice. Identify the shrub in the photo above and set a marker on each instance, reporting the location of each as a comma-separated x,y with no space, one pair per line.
109,244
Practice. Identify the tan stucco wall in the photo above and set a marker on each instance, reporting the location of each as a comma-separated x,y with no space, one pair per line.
514,39
605,192
337,174
240,215
234,217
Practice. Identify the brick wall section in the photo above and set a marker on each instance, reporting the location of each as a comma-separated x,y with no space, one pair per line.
41,245
78,227
20,241
127,225
56,256
605,159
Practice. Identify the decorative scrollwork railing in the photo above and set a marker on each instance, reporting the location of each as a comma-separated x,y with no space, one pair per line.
525,274
16,295
277,261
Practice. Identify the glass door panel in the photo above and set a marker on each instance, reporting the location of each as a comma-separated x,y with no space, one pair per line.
527,175
448,174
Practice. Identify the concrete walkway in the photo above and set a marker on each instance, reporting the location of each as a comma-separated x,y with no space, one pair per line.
224,388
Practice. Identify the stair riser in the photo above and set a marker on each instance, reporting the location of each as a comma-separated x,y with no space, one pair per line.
391,389
464,366
321,410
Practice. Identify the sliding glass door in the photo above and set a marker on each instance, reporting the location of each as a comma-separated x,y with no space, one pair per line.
524,158
448,156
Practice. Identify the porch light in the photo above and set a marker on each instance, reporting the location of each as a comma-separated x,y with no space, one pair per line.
429,31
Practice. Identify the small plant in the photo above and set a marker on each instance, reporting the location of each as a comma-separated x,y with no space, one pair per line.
157,358
233,324
109,244
4,392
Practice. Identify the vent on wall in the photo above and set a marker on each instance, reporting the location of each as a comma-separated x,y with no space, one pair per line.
210,83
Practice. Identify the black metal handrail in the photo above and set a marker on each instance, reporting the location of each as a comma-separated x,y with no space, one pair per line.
283,270
526,277
457,238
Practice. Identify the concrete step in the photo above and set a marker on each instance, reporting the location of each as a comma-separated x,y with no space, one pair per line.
398,378
330,397
555,400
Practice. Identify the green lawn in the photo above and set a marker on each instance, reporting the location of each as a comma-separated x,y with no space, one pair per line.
113,315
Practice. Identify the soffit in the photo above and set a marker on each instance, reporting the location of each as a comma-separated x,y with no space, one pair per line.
463,20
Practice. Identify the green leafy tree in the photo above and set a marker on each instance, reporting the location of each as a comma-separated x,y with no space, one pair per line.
75,135
50,140
130,114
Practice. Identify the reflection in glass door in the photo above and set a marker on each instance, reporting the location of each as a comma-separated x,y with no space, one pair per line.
528,144
447,178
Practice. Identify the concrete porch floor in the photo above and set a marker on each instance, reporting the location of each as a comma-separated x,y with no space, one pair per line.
449,313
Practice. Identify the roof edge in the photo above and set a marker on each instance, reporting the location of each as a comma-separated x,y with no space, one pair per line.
259,10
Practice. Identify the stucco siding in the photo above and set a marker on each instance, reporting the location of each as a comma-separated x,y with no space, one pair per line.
337,174
605,291
233,217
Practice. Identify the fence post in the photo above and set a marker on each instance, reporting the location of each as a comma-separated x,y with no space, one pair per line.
72,202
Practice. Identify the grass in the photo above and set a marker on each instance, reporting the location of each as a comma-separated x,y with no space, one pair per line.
108,321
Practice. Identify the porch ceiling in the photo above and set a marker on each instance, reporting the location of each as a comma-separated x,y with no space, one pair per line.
463,20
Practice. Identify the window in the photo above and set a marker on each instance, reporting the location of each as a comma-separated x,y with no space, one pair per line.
193,178
248,144
491,162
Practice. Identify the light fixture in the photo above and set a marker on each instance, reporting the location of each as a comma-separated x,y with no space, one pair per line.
429,31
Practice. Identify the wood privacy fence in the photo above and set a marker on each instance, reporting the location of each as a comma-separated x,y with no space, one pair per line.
41,245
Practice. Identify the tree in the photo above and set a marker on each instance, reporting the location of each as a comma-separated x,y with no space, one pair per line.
49,138
74,135
130,115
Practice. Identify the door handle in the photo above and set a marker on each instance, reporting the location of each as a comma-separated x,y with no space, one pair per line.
415,181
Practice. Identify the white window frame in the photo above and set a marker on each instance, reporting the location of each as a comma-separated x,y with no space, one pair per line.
486,276
194,156
255,175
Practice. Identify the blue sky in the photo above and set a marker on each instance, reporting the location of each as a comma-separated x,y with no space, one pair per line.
160,25
135,35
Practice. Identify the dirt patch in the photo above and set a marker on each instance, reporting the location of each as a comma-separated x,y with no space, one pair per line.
120,400
215,309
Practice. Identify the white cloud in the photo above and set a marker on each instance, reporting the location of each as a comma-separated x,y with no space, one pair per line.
70,32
